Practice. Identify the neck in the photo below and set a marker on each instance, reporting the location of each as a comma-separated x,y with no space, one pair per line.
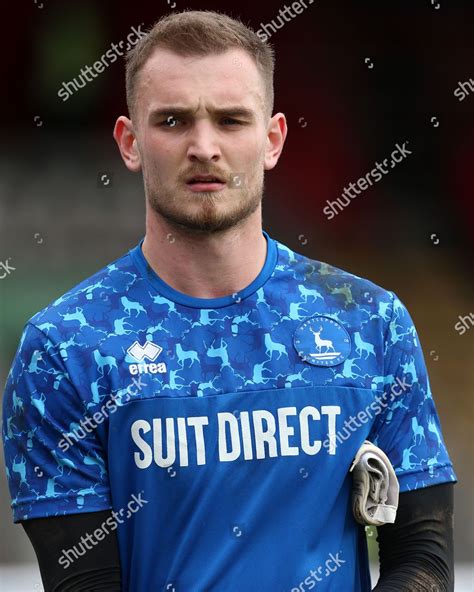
205,266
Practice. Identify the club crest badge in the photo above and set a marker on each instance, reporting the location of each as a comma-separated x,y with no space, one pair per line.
322,341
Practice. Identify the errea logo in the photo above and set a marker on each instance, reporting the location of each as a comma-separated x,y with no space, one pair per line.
148,351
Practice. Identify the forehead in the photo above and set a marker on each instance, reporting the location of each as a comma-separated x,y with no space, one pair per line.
229,77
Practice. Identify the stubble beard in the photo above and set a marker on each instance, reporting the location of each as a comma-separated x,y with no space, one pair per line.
177,208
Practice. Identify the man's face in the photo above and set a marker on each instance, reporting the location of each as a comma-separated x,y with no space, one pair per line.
209,139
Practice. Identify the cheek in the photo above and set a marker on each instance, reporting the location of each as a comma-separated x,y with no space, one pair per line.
159,158
257,145
248,152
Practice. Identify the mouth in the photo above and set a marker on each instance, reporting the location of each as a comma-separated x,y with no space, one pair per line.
205,183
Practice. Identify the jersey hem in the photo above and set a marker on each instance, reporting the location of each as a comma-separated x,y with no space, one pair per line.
42,510
444,476
17,518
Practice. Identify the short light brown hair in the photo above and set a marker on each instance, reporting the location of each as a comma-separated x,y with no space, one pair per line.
200,33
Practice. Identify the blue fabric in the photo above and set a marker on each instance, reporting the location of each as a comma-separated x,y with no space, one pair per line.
220,431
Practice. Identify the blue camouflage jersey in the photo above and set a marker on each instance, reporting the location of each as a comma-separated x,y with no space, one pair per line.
220,431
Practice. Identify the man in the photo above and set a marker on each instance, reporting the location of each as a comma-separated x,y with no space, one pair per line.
186,418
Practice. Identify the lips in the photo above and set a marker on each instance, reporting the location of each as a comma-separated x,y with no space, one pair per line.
204,179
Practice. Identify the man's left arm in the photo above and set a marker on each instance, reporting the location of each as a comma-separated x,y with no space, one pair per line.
416,552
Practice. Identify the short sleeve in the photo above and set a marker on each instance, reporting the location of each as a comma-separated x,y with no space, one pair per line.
49,472
408,428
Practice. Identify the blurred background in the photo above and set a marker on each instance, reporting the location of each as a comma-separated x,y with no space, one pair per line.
353,79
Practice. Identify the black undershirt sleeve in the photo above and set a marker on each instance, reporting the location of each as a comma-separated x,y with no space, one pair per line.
96,568
416,552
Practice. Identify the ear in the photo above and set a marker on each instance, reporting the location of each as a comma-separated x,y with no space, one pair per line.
276,135
126,140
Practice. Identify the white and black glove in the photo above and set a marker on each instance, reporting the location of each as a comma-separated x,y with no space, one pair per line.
375,486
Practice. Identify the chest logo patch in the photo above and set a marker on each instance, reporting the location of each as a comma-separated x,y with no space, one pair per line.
322,341
139,353
149,351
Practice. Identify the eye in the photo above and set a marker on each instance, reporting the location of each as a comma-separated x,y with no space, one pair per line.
169,122
233,120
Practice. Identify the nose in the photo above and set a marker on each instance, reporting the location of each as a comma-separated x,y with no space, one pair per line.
203,144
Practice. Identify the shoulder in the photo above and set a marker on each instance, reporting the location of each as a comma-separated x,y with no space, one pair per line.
87,304
338,287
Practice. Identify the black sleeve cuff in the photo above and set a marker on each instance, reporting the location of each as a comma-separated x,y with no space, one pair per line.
416,552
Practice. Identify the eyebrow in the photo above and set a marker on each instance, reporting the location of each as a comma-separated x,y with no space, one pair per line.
233,111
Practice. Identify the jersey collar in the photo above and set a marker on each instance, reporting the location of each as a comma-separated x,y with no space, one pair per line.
181,298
